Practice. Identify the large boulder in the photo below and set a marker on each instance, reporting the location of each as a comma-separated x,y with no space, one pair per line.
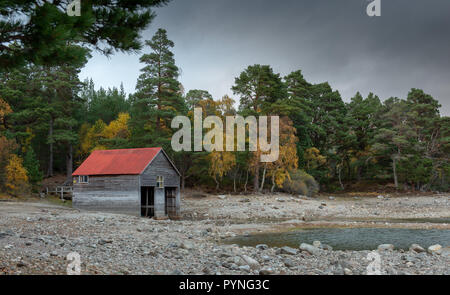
309,248
386,247
416,248
435,249
288,250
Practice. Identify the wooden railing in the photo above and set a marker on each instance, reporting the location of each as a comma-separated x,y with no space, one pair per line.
61,190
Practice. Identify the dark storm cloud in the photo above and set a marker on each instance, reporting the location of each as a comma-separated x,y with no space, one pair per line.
329,40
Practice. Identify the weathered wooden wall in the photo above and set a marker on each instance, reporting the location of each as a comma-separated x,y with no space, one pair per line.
161,166
116,194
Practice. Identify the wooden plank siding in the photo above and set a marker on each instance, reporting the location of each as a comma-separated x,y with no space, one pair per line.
111,193
160,166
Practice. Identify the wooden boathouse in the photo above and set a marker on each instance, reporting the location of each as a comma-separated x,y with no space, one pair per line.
141,182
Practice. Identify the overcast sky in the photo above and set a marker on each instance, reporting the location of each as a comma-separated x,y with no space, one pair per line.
408,46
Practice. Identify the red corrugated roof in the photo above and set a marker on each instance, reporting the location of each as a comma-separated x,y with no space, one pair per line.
117,162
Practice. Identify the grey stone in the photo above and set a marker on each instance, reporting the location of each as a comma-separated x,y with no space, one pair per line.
289,262
104,241
250,261
435,249
288,250
265,271
309,248
245,268
186,245
21,264
386,247
262,247
317,244
416,248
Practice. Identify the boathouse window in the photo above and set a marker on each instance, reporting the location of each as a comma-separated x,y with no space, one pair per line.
83,179
159,181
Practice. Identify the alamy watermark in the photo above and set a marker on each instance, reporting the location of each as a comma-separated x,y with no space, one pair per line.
374,267
74,8
216,140
374,8
74,267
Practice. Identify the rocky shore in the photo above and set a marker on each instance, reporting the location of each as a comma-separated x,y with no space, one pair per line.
36,238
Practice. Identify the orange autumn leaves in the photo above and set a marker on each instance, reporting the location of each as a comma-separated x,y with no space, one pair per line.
13,176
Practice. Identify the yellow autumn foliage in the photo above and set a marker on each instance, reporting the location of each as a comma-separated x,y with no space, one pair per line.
5,110
16,176
92,136
313,158
287,159
118,128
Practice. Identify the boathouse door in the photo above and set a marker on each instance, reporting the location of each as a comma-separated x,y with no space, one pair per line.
147,201
171,201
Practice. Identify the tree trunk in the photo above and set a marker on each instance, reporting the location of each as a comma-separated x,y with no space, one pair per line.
339,176
273,183
263,179
217,184
256,178
50,159
359,171
394,168
69,164
183,181
246,182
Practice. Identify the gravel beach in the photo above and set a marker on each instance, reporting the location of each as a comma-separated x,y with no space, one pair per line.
36,237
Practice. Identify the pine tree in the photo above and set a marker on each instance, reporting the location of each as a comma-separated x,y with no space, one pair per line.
38,32
193,97
362,119
259,89
158,98
31,164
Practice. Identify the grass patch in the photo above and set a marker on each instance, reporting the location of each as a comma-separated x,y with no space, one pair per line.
56,200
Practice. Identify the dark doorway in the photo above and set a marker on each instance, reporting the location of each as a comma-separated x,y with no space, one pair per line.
147,201
171,201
